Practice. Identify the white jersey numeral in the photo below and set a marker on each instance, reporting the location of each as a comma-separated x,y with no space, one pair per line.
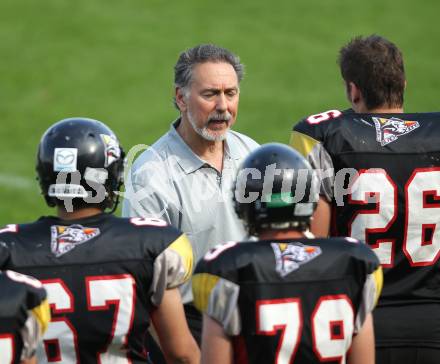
102,293
422,217
374,186
332,325
326,115
118,291
421,243
285,315
10,228
61,336
7,348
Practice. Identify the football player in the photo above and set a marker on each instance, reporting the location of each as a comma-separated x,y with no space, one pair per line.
380,172
106,277
287,298
24,316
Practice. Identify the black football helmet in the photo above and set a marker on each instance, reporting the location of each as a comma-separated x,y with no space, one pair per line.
80,159
275,189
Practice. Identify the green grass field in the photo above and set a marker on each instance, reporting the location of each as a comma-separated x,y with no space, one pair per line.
113,60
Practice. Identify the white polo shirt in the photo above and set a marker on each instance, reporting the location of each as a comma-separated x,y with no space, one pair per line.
170,182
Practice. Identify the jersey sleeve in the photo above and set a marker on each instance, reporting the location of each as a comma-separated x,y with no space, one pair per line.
370,296
172,267
372,286
37,311
34,328
218,298
215,290
308,142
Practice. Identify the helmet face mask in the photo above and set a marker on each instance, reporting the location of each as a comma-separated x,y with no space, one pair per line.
80,164
275,189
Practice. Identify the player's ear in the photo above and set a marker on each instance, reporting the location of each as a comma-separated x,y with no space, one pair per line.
353,93
181,99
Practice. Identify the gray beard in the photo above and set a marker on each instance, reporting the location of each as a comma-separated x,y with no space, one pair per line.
203,132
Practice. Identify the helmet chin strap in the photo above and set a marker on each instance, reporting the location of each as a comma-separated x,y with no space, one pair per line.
115,201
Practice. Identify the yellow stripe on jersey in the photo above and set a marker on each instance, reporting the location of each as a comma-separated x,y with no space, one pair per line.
378,280
302,143
183,247
202,286
42,315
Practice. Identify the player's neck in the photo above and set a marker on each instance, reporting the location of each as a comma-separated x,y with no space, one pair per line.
281,234
362,108
77,214
397,110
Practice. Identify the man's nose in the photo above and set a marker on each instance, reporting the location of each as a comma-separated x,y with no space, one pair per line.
221,104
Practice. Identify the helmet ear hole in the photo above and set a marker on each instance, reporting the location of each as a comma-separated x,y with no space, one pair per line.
275,189
73,157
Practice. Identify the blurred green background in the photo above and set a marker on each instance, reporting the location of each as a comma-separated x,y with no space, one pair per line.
113,60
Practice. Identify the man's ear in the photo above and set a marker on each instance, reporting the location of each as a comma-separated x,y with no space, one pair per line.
180,99
353,93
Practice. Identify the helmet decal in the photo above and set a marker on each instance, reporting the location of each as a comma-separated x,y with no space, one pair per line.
112,150
65,159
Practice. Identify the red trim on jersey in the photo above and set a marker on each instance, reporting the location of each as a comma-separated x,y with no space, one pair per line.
280,327
393,252
332,337
365,201
336,330
56,344
107,305
12,338
55,311
434,195
66,290
427,193
376,195
425,227
58,357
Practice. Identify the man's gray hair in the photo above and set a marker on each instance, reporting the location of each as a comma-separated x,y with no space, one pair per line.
203,53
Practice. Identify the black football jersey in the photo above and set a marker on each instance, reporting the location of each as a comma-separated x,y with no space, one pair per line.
24,316
98,273
381,172
295,301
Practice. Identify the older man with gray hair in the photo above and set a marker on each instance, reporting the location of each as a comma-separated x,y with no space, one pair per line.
185,178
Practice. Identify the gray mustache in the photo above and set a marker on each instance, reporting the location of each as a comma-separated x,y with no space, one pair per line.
220,117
